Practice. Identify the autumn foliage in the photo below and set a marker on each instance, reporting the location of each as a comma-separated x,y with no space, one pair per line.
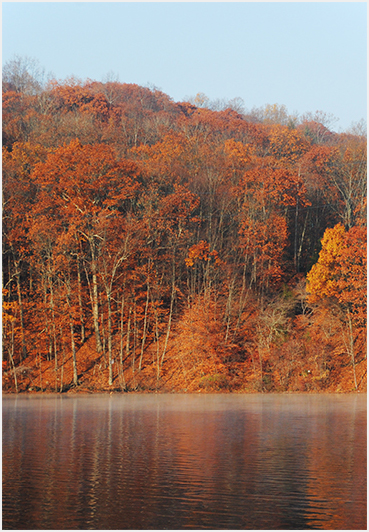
154,245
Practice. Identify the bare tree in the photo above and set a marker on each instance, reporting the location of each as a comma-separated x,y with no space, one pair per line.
25,74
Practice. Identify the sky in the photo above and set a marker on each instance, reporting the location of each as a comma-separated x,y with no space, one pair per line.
308,56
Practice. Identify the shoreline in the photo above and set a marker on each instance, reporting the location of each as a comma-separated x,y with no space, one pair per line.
182,392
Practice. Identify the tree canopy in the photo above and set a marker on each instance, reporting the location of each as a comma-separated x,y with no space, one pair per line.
152,244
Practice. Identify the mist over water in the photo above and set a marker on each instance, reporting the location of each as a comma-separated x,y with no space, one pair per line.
184,461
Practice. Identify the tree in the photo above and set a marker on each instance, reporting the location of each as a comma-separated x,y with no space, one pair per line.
86,187
339,276
124,212
24,74
19,194
273,114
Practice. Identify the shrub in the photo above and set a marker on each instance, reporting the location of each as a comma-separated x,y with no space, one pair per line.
215,382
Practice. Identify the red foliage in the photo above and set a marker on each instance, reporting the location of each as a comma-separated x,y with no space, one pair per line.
150,244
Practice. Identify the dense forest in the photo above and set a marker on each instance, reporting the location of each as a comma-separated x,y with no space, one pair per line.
153,245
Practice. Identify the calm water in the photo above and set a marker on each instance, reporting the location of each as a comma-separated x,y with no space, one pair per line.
184,461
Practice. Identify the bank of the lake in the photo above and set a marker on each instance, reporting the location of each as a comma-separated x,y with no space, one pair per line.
39,375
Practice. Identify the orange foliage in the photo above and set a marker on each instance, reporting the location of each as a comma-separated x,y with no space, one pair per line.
201,252
181,237
340,272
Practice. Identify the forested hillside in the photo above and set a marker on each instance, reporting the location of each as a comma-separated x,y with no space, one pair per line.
155,245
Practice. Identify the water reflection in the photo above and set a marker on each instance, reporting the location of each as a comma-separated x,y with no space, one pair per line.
154,462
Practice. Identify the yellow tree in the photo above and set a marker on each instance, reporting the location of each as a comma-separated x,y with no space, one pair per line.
338,279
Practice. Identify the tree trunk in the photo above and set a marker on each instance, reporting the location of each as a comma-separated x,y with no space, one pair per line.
121,370
95,299
52,306
128,331
110,355
80,302
62,366
11,353
144,327
72,340
172,297
134,336
351,346
75,376
21,316
228,309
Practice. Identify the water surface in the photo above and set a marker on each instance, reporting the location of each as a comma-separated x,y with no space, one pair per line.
184,461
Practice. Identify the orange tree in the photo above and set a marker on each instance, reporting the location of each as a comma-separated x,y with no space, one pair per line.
338,280
92,194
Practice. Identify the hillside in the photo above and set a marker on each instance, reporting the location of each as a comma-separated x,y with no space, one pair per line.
153,245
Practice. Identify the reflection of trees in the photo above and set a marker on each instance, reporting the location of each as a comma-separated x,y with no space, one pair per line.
167,462
329,463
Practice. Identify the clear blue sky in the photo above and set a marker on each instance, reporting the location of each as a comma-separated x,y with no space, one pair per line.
308,56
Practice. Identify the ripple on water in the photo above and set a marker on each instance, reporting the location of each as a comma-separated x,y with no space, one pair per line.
155,462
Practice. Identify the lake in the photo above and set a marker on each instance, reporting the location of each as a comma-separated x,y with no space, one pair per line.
184,461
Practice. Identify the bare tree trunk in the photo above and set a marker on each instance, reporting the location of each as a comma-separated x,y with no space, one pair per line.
128,331
46,317
80,302
75,376
295,236
134,336
52,306
11,353
351,346
73,344
95,310
110,354
261,368
62,367
301,242
229,308
21,315
242,300
40,359
103,339
157,343
95,298
121,371
172,297
144,327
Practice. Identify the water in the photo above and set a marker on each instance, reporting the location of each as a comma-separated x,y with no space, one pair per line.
184,461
